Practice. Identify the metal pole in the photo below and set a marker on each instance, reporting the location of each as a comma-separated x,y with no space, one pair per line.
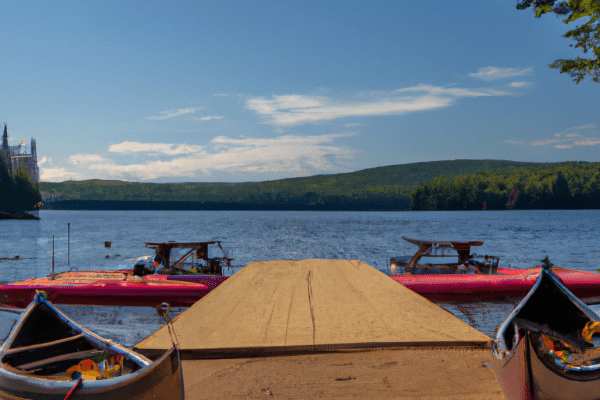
52,257
69,245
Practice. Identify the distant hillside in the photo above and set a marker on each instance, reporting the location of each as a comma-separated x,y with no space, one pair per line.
374,188
573,185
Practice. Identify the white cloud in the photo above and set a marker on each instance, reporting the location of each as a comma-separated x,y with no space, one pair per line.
174,113
221,95
494,73
582,127
58,174
455,92
546,142
566,139
520,84
44,160
210,117
156,148
292,155
573,131
587,142
81,159
290,110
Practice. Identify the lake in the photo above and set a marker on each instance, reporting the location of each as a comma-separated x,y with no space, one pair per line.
520,238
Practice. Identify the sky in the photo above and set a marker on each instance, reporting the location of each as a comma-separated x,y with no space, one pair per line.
238,91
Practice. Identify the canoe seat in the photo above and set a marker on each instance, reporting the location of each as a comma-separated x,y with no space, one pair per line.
43,345
79,355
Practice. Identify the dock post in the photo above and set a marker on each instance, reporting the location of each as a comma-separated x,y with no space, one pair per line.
52,276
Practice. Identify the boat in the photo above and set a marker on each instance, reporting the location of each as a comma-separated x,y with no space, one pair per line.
46,355
465,263
171,262
111,290
446,270
186,261
549,345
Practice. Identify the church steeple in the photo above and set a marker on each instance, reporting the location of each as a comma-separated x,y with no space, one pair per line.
5,139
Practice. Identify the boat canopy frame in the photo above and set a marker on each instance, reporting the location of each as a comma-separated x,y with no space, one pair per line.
163,250
439,248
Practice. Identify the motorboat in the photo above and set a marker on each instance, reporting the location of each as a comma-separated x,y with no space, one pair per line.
447,270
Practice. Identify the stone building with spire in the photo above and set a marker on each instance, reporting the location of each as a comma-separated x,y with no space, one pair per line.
20,156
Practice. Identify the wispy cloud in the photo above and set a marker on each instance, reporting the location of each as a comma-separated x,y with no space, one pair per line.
156,148
289,155
290,110
210,117
59,174
546,142
494,73
81,159
520,84
567,139
174,113
587,142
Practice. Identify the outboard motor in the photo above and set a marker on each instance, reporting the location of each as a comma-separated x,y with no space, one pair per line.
143,266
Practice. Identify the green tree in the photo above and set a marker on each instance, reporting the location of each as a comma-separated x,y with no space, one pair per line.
7,188
586,35
26,193
560,192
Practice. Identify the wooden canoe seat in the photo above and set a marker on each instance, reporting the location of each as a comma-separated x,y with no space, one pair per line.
79,355
42,345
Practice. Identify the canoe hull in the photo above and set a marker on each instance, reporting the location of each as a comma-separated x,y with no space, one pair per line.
44,344
545,348
160,380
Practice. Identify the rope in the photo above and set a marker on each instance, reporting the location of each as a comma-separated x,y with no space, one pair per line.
74,388
167,317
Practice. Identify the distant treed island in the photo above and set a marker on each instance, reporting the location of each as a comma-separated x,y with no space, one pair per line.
18,192
436,185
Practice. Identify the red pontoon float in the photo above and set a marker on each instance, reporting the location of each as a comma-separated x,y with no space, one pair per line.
476,278
179,274
127,290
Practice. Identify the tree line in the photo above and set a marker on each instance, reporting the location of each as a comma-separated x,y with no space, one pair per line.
572,185
17,191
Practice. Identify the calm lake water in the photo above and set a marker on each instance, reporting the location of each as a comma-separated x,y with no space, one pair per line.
520,238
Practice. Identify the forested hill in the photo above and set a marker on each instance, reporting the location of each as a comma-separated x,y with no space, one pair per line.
558,186
375,188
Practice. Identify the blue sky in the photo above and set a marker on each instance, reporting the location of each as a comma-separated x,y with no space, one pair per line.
235,91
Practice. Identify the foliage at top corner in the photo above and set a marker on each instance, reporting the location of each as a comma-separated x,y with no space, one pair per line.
586,35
